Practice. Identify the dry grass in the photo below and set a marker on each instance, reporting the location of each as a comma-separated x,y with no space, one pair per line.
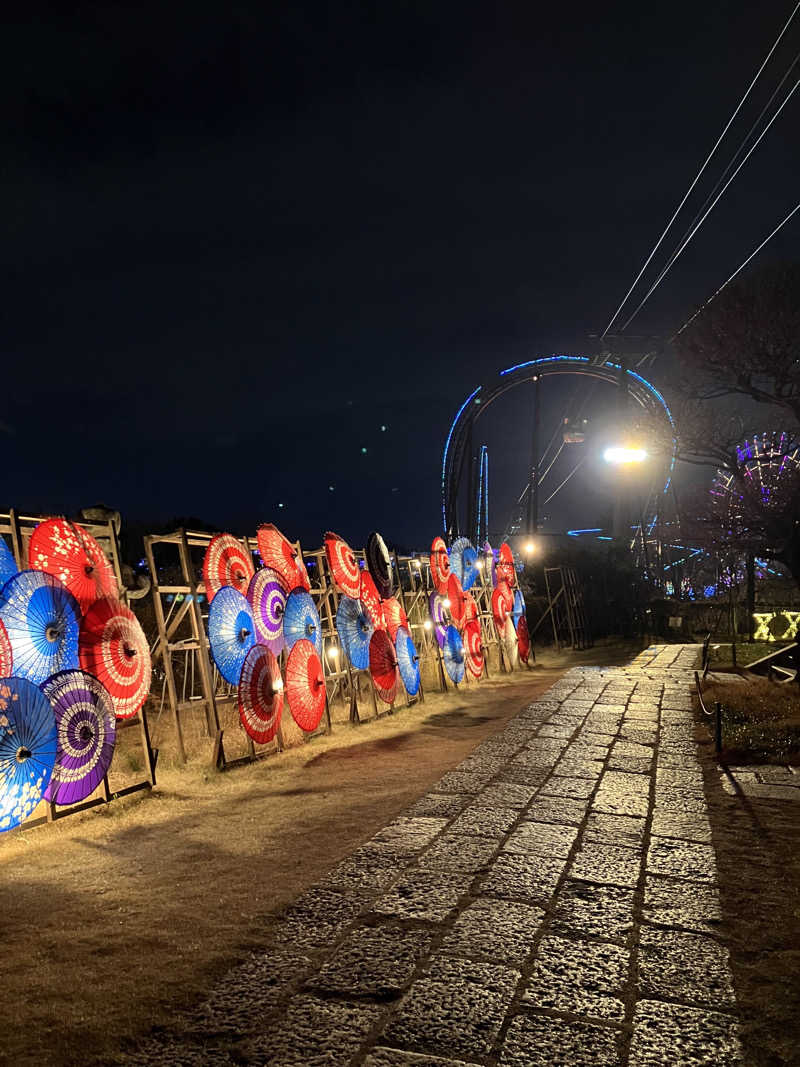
760,721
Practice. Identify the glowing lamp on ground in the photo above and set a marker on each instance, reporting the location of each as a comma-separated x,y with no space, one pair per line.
333,652
428,624
446,603
277,685
621,455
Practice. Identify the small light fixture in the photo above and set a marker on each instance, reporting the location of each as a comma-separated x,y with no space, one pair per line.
530,548
277,685
621,455
446,602
333,652
427,624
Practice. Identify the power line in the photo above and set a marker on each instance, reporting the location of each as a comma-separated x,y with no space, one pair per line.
705,215
700,172
580,463
738,270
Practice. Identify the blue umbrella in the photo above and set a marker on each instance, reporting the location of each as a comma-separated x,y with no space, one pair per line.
519,607
8,565
231,631
28,746
42,619
463,558
301,620
355,628
453,654
407,661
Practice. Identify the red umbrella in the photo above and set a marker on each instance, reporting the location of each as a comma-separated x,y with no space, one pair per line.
394,615
260,695
282,556
343,564
473,647
368,595
506,571
458,601
383,666
471,613
226,562
524,639
6,654
440,565
305,685
112,646
502,603
72,555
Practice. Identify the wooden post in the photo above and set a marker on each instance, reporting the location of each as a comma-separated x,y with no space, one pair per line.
158,607
212,719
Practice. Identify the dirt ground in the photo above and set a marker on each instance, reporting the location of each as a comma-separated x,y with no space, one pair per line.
116,918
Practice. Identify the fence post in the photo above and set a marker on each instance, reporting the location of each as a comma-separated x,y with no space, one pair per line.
718,727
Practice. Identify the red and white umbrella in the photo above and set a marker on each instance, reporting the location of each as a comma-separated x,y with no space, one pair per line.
440,565
282,556
70,553
226,562
343,565
458,601
502,603
506,570
305,685
112,646
6,653
395,616
473,648
369,597
383,666
523,639
260,695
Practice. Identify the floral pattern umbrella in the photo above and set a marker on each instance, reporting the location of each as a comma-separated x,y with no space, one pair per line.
383,666
355,628
282,556
343,565
379,564
226,562
305,686
42,620
27,749
231,632
440,565
506,571
70,553
87,732
6,653
113,648
260,695
267,597
8,565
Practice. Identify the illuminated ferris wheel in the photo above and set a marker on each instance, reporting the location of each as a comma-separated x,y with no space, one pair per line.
770,463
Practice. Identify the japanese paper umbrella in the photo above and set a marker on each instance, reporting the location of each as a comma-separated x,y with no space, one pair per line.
260,695
505,565
27,749
473,647
72,555
457,598
383,666
226,562
463,559
407,661
114,649
305,685
490,562
453,654
438,617
343,565
470,608
42,620
267,596
8,565
87,731
301,620
395,616
518,608
282,556
6,653
231,632
371,600
502,602
440,564
523,639
379,564
354,628
509,636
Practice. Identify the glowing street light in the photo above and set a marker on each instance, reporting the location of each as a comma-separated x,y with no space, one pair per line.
530,548
621,455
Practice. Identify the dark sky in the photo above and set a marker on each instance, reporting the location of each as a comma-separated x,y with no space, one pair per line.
238,240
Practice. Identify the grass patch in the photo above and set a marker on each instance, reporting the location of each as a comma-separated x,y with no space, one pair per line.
760,720
720,655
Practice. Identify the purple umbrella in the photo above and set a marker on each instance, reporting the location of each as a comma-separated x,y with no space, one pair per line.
440,623
86,733
267,595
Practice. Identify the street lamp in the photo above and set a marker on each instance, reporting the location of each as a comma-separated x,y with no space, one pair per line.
624,455
530,548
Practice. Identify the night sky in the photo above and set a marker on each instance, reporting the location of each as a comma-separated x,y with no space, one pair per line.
241,240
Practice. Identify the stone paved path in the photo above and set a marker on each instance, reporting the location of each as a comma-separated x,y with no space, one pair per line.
552,901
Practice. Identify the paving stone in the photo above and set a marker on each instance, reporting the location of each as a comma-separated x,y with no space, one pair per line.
501,931
462,782
619,782
564,810
626,830
455,1010
547,839
680,803
392,1057
314,1033
689,827
684,966
671,1033
317,918
555,730
438,804
179,1053
457,852
630,764
541,1041
577,788
373,962
682,859
581,977
609,864
504,795
368,870
614,802
531,878
687,905
524,775
629,748
485,822
425,895
409,835
604,911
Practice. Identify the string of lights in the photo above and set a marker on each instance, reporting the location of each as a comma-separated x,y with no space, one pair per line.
700,172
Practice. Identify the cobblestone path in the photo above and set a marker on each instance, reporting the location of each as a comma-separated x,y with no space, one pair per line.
552,901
